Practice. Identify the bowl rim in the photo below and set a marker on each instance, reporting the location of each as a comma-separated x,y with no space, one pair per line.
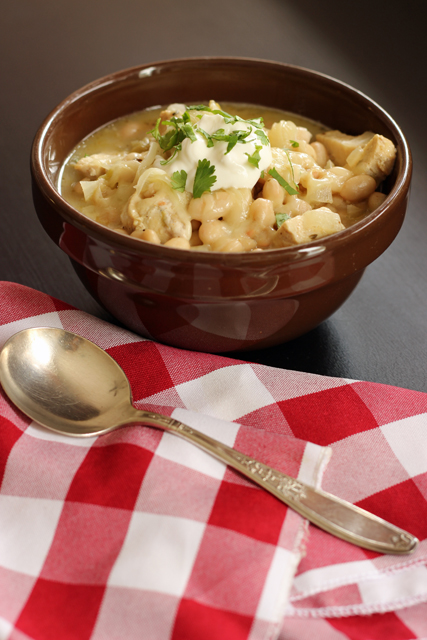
136,246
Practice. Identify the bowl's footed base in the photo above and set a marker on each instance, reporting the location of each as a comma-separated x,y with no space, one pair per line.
216,327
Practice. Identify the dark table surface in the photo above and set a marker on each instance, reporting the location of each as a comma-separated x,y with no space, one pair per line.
48,49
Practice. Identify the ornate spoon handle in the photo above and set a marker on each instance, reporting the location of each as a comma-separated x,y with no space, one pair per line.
338,517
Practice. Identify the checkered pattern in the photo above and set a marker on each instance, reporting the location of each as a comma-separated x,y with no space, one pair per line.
140,535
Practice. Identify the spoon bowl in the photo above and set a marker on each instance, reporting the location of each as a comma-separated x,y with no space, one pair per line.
71,386
65,382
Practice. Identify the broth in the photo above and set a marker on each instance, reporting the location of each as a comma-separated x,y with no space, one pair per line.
255,186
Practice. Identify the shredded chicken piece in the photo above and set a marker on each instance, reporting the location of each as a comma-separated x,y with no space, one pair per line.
158,214
95,165
308,226
124,165
376,158
340,145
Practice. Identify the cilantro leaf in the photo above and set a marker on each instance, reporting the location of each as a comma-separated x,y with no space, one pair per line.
260,133
255,157
177,148
178,130
234,138
155,131
187,129
170,139
231,138
256,122
291,166
280,218
275,174
178,180
198,107
204,179
232,141
205,134
229,119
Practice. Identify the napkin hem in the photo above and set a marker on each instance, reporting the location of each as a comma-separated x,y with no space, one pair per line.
355,610
342,582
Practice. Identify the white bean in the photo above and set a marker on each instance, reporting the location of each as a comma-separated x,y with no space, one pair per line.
147,234
178,243
321,155
358,188
338,203
375,200
273,191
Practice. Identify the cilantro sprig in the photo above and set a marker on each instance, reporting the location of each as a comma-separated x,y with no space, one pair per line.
291,166
178,180
255,157
275,174
204,179
262,136
178,129
231,138
258,123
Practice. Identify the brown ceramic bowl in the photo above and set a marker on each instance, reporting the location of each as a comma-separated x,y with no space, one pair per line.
215,302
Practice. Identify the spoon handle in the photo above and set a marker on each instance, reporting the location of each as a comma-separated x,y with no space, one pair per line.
334,515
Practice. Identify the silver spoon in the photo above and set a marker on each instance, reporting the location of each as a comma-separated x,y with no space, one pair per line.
69,385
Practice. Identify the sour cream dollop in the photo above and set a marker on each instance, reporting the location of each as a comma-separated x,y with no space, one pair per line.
232,169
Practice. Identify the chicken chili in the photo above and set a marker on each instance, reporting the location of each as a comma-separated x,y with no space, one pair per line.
212,178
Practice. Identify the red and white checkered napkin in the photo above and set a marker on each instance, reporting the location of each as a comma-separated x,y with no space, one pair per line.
140,535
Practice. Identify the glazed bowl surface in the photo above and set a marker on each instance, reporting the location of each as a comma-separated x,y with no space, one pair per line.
211,301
